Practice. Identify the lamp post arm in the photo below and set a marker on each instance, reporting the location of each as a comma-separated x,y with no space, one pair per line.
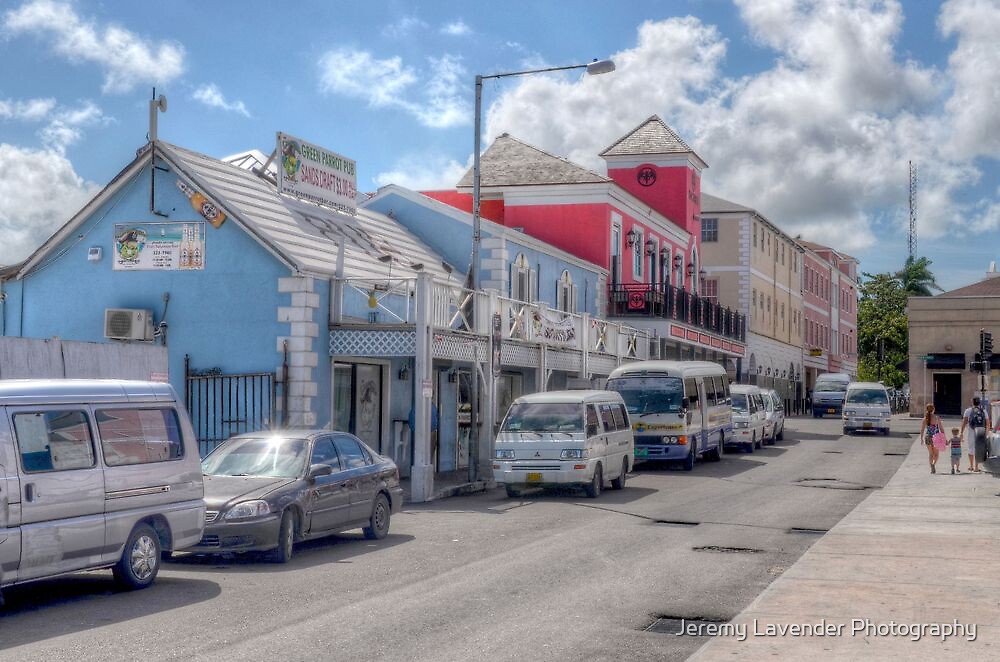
531,71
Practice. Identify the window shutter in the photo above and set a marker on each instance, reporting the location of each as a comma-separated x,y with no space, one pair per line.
532,293
574,300
560,296
513,278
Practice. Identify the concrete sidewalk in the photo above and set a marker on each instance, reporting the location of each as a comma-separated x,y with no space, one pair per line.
923,550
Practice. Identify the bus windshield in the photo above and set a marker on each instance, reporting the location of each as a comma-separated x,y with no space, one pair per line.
868,396
831,387
649,395
544,417
740,403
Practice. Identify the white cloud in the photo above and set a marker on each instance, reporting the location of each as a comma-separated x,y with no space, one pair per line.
66,125
30,110
126,58
403,27
974,68
387,83
39,191
210,95
819,142
457,28
422,172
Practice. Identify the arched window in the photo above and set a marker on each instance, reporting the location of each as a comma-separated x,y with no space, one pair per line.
522,279
566,293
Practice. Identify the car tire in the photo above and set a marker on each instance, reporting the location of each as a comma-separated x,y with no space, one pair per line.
619,483
286,539
688,463
512,492
596,484
759,443
378,523
140,560
716,453
781,433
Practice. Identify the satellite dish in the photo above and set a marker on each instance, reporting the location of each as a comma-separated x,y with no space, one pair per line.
162,103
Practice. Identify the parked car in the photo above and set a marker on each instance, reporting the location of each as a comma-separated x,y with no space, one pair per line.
749,416
563,438
680,409
866,407
265,491
775,410
95,474
828,393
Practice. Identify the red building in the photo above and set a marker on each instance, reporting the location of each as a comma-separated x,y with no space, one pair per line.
640,222
830,305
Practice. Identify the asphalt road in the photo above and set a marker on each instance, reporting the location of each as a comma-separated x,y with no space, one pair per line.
546,576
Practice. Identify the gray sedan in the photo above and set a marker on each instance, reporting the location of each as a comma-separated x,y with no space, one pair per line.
267,490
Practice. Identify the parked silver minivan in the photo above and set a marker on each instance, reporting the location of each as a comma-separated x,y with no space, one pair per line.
95,474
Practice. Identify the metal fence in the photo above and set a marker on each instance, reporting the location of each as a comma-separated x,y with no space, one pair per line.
224,405
670,302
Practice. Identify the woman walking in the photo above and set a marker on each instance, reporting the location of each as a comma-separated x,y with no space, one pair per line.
930,426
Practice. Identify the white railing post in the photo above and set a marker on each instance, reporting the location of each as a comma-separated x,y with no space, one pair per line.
422,481
585,350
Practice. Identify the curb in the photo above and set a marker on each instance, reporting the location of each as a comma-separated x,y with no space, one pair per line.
463,489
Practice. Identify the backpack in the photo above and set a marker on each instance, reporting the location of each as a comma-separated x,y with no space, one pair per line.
977,418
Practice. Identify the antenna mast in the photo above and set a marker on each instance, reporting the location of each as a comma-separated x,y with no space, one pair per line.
911,240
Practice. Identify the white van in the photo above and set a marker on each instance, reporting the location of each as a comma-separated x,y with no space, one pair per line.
680,409
749,416
564,438
866,407
828,393
95,474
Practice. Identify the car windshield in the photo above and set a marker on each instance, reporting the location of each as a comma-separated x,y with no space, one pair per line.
868,396
831,387
544,417
649,395
272,456
740,403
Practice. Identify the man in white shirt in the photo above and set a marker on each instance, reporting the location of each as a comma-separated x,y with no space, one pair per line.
975,423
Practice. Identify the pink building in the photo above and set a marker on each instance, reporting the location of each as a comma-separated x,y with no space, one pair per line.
641,222
830,304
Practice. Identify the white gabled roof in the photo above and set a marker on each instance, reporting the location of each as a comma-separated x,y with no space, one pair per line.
304,236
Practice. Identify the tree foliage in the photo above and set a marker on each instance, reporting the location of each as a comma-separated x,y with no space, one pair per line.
916,278
882,318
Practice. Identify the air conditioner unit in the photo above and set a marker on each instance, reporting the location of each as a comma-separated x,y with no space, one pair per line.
128,324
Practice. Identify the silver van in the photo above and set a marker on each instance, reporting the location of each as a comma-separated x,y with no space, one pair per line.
95,474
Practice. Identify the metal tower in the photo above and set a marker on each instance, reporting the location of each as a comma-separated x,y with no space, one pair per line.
911,240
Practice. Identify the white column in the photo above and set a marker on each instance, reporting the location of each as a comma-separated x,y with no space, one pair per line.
422,473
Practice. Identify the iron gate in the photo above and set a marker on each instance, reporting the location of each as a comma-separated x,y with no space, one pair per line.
224,405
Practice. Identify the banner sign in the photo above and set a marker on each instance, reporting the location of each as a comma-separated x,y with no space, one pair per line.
496,341
312,173
553,331
159,246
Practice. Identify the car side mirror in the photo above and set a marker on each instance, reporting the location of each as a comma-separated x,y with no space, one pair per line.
591,429
317,470
685,404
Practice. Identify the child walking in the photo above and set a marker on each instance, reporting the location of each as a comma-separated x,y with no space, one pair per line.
956,451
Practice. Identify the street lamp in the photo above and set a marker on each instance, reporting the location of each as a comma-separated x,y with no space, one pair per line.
593,68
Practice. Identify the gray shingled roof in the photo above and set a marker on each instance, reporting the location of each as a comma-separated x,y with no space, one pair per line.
712,204
512,162
989,287
651,137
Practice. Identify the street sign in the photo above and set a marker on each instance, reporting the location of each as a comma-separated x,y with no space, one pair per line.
926,357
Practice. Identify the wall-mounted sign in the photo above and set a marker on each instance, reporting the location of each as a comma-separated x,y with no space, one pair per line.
553,329
159,246
496,342
815,351
203,205
312,173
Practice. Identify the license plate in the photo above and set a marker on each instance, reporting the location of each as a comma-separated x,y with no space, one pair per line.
866,426
641,452
534,478
831,410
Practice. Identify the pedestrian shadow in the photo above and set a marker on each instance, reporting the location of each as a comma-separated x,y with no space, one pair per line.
340,548
51,608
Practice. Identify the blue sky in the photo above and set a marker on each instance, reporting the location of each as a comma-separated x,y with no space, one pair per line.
807,111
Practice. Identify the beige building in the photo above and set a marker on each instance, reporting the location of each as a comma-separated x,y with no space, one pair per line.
944,338
755,268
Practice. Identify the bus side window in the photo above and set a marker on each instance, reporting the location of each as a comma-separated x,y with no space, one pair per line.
608,418
710,394
691,393
725,389
621,418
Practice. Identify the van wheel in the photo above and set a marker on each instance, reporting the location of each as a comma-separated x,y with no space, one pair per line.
286,539
511,492
593,488
716,453
378,524
619,483
760,443
140,559
781,433
689,460
753,443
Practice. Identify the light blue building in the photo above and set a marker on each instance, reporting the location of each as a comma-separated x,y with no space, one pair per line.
276,311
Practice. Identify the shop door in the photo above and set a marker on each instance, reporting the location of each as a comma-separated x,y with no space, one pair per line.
948,394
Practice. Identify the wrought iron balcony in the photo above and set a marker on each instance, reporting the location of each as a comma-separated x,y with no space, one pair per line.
673,303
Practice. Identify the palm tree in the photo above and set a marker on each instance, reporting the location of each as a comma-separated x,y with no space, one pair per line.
916,277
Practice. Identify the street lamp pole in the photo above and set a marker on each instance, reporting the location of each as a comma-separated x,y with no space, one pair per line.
593,68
